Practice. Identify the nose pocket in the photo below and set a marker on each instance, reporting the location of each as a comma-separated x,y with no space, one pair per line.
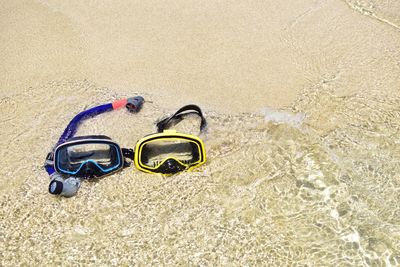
171,166
89,170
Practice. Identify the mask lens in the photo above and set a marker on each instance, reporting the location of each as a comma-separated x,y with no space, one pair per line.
76,158
155,152
101,153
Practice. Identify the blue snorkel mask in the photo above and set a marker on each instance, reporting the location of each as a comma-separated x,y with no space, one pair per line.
76,158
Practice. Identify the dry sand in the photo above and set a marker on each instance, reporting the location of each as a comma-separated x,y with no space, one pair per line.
229,55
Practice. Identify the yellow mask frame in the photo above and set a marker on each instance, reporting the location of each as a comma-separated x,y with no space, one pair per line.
170,165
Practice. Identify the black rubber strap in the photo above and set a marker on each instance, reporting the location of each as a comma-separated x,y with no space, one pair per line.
180,115
128,153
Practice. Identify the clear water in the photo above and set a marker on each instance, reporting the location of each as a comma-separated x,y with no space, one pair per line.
321,192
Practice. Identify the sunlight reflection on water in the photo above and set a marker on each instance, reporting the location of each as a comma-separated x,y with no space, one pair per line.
289,190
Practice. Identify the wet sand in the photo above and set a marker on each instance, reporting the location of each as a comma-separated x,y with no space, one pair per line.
320,187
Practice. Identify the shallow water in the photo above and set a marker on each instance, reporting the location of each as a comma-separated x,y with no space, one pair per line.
303,142
271,193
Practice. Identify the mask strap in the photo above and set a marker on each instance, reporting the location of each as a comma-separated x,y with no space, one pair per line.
179,116
128,153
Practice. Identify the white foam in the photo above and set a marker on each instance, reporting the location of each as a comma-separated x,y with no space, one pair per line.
278,117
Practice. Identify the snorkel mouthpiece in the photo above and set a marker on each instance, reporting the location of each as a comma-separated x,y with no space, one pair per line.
134,104
66,188
55,187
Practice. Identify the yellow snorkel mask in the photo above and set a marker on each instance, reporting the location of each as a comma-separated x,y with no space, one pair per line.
168,151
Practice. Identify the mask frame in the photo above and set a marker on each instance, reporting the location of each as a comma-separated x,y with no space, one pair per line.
97,170
169,135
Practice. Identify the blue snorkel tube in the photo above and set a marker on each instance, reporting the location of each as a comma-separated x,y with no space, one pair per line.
70,186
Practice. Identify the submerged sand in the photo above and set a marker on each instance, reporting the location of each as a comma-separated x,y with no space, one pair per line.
314,181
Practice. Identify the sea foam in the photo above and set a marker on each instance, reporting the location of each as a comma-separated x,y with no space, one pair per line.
276,116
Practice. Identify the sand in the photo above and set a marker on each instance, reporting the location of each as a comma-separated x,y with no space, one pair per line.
302,183
231,56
